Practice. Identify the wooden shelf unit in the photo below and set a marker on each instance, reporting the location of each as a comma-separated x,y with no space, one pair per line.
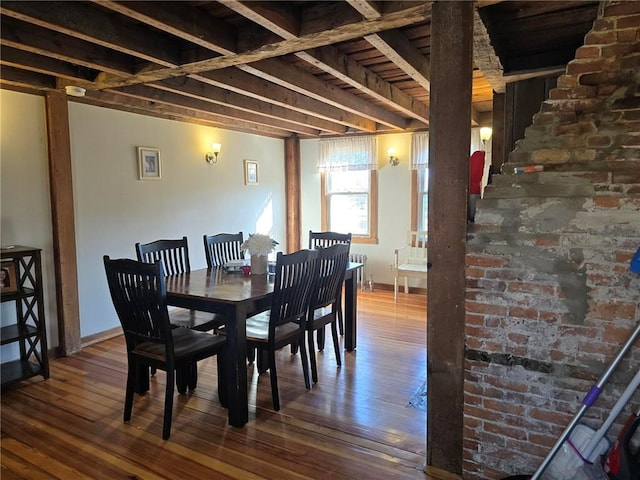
29,330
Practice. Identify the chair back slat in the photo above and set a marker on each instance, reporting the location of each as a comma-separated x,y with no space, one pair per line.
417,247
295,276
332,266
172,254
326,239
138,293
222,248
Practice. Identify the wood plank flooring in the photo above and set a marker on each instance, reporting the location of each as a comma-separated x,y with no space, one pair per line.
353,424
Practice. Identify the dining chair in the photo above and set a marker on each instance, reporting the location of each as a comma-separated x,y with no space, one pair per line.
410,260
283,324
323,240
222,248
174,256
325,299
138,292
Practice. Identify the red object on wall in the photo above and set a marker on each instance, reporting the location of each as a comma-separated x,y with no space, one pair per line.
476,170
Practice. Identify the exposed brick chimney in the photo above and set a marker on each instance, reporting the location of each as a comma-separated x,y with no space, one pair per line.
550,296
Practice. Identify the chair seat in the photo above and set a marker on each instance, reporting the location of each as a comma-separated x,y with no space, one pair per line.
258,329
196,320
413,267
187,343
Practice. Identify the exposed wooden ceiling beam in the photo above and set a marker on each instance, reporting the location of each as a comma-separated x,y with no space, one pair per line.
241,82
35,39
341,32
128,103
340,66
225,113
189,24
274,16
220,96
70,18
484,55
304,83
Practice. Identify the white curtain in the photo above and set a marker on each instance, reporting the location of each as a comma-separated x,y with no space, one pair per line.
344,154
420,150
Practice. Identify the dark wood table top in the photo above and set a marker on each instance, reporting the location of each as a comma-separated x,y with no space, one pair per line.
215,284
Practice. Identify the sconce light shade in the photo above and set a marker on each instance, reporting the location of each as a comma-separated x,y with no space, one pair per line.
212,156
485,133
393,160
74,91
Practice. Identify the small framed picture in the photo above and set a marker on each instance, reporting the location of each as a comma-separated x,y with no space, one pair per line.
8,277
149,167
250,172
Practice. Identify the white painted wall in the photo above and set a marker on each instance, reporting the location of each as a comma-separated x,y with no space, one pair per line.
25,208
113,209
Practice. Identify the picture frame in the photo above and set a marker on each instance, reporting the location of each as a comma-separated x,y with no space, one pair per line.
149,166
250,172
8,277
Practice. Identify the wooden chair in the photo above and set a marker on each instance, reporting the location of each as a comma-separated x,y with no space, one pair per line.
284,324
410,260
323,240
222,248
325,299
174,256
139,296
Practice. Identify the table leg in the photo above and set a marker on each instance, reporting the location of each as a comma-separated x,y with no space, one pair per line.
350,309
236,368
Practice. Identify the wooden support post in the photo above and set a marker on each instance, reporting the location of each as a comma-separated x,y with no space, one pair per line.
292,184
498,156
62,218
449,145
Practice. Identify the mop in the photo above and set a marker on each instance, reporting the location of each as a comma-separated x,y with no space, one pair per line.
592,396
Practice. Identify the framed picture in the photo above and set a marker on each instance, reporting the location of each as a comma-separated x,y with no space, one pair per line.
250,172
149,163
8,277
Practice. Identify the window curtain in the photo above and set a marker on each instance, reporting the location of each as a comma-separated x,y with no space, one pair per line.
345,154
420,151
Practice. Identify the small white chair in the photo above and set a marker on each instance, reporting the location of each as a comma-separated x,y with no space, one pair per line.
410,260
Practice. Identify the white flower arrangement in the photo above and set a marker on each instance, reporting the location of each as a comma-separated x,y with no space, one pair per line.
259,245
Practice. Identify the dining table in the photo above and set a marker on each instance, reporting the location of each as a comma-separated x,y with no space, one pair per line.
238,296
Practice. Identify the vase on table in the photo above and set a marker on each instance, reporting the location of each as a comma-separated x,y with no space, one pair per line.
258,265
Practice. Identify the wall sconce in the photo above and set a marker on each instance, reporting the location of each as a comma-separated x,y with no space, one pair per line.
485,135
393,160
212,156
75,91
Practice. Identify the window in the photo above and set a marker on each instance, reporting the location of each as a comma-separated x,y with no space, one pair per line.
421,185
420,181
349,187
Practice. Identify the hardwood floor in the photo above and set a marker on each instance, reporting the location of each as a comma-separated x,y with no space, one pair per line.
353,424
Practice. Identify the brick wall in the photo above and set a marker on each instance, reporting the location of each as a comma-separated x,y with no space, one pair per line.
550,297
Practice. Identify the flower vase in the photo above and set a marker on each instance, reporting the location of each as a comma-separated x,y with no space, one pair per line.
258,265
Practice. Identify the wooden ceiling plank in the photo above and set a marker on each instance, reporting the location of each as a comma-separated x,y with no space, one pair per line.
397,48
246,84
485,57
41,64
129,103
92,25
340,66
24,78
190,24
203,91
342,32
170,98
304,83
368,9
275,16
34,39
